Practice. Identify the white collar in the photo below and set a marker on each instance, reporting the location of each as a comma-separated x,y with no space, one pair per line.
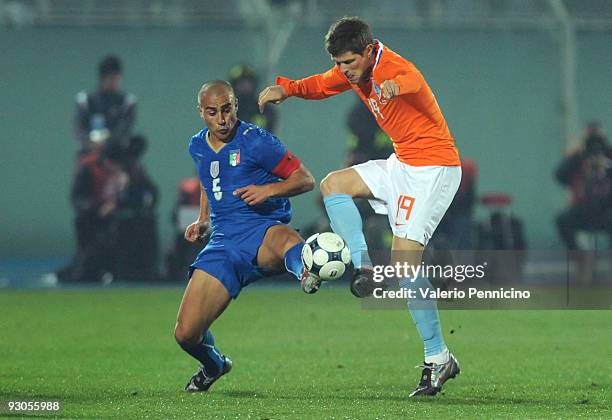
378,53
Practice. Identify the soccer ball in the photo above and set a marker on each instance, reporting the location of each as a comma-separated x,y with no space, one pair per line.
326,255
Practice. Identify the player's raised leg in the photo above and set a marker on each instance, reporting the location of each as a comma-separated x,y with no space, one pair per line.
204,300
282,249
440,365
338,189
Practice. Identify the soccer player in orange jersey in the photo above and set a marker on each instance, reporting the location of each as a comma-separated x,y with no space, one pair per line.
414,186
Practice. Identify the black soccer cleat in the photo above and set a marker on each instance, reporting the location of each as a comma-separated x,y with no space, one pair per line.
363,284
434,376
201,382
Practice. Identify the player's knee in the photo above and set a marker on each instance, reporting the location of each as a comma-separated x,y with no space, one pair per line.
185,337
291,239
278,240
331,184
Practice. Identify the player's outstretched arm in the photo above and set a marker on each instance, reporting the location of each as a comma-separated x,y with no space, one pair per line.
274,94
197,230
317,86
299,182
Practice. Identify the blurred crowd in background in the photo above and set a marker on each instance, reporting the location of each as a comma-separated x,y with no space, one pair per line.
114,198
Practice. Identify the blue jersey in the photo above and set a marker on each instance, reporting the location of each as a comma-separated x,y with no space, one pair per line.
253,156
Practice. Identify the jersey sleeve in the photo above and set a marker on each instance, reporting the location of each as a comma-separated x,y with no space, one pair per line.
318,86
405,75
274,157
195,152
190,149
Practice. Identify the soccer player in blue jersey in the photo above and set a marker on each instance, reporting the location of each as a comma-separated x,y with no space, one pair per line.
246,175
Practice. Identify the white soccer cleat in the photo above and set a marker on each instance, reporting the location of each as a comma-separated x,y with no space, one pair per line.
435,375
309,282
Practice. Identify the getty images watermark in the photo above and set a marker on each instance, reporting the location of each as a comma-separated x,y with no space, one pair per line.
404,270
413,286
493,280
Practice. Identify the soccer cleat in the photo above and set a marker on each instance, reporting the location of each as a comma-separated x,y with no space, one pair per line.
201,382
309,282
363,284
434,376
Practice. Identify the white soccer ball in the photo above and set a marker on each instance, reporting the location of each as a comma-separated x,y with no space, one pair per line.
326,255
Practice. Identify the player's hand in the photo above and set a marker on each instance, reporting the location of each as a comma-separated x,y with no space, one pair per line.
390,89
253,194
197,230
275,94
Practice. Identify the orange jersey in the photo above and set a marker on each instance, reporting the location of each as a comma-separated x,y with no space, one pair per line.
412,120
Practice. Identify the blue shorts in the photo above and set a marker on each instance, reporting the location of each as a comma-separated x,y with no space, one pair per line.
231,256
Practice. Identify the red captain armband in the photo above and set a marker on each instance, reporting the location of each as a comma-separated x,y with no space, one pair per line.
287,165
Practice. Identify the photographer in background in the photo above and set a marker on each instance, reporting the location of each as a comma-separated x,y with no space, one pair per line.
100,177
106,114
587,171
136,248
116,224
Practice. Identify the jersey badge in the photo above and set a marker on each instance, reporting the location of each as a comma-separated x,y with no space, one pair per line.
214,168
376,89
234,157
378,93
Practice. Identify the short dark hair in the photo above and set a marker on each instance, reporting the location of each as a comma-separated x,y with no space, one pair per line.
349,34
110,65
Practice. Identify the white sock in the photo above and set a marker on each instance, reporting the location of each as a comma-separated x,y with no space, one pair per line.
440,358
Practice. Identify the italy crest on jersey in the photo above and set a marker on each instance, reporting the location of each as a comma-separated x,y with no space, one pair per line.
234,157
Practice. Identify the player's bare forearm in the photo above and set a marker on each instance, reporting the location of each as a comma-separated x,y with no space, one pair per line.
274,94
298,182
197,230
204,210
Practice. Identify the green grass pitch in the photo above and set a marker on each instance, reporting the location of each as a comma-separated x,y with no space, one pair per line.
111,353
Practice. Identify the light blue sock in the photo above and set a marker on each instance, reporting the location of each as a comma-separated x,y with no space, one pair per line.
293,260
345,220
424,313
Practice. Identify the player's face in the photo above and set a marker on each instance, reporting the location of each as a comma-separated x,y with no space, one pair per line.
218,110
355,67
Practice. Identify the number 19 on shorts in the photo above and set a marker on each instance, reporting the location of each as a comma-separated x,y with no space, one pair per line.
404,208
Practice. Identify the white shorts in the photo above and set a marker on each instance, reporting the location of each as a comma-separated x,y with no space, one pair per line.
414,198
